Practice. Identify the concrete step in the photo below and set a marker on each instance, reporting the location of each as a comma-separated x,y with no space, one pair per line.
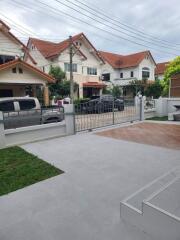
155,208
136,199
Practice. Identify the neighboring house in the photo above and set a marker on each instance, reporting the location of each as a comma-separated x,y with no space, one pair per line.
160,69
123,69
175,85
18,78
87,61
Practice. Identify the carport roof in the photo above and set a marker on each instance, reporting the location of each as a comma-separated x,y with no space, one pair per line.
28,66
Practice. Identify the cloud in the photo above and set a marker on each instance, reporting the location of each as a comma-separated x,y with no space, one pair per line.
157,18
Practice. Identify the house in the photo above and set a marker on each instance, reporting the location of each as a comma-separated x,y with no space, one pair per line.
160,69
87,61
123,69
175,86
18,78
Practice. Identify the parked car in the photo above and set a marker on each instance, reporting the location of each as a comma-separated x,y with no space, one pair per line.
27,111
104,103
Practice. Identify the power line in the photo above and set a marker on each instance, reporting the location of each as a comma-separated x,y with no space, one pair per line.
123,24
112,34
104,30
142,38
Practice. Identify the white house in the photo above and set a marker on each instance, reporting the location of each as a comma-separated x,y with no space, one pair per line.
122,69
87,62
18,78
160,69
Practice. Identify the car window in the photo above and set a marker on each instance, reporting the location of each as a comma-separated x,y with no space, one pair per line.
27,104
7,106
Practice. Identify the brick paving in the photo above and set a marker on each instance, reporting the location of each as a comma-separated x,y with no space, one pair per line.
157,134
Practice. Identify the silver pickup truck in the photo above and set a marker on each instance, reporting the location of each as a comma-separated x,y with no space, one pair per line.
27,111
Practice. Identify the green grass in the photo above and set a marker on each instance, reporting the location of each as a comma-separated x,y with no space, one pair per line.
164,118
19,169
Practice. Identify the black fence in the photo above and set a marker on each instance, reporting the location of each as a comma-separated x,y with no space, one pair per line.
17,119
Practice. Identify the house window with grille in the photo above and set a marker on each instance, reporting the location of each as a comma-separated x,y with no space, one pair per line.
91,71
67,67
132,74
121,75
145,73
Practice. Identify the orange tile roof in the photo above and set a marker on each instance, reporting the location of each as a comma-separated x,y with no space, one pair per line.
49,49
94,84
30,67
161,67
124,61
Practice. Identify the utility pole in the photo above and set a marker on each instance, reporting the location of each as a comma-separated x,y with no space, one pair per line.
71,69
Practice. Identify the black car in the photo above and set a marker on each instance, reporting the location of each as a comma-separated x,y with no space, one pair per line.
104,103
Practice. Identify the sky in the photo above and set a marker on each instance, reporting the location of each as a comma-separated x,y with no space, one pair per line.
118,26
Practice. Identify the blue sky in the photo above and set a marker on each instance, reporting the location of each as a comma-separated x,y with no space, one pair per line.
154,25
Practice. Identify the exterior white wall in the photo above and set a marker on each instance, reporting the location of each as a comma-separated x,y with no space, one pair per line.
9,46
27,77
115,73
81,75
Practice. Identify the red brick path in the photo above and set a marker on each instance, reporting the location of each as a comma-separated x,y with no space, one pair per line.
163,135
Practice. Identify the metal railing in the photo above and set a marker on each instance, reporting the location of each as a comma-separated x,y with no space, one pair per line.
93,115
24,118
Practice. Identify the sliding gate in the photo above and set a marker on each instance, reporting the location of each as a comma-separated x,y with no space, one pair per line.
90,117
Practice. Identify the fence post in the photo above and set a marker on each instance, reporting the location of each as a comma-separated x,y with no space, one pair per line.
141,98
70,119
113,111
2,135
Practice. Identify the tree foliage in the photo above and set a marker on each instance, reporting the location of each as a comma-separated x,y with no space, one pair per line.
173,68
61,88
154,90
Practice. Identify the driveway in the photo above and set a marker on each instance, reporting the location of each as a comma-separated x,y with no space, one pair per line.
84,202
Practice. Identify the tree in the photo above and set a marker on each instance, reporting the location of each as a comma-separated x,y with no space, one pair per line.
116,91
136,86
173,68
61,88
154,90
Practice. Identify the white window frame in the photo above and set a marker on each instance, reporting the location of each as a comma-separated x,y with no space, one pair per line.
92,71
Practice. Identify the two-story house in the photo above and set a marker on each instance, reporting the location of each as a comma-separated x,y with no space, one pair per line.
160,69
87,62
18,78
123,69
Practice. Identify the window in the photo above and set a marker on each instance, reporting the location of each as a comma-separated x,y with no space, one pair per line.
27,104
106,77
13,70
20,70
67,67
145,73
132,74
5,59
121,75
7,106
91,71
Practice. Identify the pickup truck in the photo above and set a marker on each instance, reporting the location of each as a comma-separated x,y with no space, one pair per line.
27,111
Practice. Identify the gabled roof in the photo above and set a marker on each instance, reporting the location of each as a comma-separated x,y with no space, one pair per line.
7,32
161,67
50,49
125,61
28,66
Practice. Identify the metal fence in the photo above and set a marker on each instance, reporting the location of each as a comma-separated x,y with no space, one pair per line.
89,116
24,118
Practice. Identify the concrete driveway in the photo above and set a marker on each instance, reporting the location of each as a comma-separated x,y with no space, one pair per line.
84,202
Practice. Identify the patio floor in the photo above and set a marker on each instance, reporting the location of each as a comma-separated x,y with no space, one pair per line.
157,134
84,202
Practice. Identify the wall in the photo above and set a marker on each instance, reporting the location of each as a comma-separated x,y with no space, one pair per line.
27,77
9,46
23,135
147,63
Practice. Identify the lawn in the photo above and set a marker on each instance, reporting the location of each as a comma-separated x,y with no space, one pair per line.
19,169
164,118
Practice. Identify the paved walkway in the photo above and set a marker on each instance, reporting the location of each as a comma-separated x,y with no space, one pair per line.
84,202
